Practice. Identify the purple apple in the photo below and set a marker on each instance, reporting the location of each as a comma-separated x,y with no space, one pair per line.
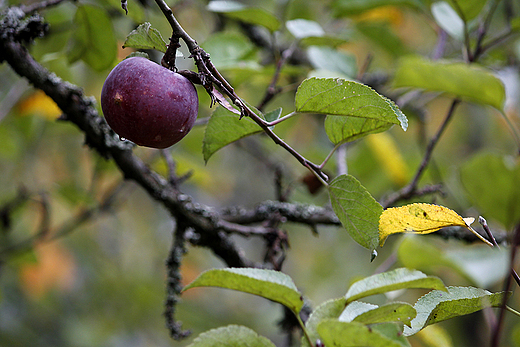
148,104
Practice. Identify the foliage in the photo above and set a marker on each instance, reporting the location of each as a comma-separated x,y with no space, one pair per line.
299,98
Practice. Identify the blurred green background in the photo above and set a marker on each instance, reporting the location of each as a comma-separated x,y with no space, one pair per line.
102,283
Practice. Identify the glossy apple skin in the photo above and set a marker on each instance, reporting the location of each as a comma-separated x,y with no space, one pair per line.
148,104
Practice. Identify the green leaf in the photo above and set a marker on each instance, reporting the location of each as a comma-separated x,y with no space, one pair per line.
482,265
229,50
401,278
273,115
328,309
448,19
354,309
231,335
330,41
310,33
145,37
341,129
301,28
393,332
327,58
269,284
357,210
437,306
335,96
93,40
469,82
515,24
468,9
348,334
416,253
225,127
138,54
370,314
353,7
491,181
251,15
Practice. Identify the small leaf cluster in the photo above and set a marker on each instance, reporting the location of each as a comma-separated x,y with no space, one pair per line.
347,321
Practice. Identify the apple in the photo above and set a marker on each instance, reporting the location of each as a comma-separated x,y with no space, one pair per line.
148,104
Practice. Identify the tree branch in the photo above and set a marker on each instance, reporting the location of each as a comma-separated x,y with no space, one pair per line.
210,229
297,213
410,190
210,75
497,329
173,281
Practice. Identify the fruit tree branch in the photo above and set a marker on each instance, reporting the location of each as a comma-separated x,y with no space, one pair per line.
211,229
213,76
81,111
173,281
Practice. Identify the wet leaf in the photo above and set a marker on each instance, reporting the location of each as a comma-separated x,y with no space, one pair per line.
145,37
401,278
328,309
231,335
225,127
348,334
357,210
336,96
437,306
269,284
392,312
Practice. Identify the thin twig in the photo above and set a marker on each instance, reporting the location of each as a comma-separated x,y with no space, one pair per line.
48,234
485,226
364,67
208,70
28,9
495,337
281,119
493,42
172,167
482,31
272,90
326,160
341,159
467,46
410,190
433,142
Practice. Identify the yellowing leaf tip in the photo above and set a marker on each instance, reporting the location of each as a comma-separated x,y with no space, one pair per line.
469,220
417,218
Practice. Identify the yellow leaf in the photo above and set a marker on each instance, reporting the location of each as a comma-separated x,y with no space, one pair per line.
389,14
435,336
389,157
420,219
41,105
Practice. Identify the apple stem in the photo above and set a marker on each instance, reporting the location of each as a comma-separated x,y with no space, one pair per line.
168,60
